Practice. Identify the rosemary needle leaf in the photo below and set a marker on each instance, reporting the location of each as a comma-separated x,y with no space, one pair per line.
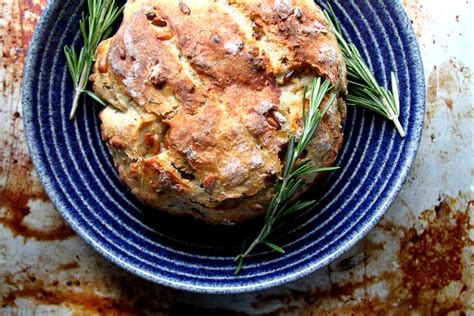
94,28
364,90
240,264
298,207
274,247
95,97
309,169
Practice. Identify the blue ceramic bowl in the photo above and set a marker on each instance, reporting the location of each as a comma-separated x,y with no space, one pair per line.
79,177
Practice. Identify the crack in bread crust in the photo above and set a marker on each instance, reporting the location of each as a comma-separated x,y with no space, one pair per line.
203,102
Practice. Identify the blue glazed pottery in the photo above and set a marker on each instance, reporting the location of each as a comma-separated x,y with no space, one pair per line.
79,177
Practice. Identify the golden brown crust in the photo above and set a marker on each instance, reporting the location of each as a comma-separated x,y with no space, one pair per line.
204,96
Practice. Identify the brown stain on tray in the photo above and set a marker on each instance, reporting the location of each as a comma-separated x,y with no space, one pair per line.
21,184
58,287
433,259
431,269
84,302
15,197
445,82
69,266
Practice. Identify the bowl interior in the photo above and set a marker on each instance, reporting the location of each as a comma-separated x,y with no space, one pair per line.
79,176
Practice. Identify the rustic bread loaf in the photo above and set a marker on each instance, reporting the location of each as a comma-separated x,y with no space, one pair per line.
204,96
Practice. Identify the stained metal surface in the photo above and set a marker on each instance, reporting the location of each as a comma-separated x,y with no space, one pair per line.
418,260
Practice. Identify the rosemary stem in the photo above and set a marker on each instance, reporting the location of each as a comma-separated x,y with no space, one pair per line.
78,91
365,89
394,118
94,28
75,102
256,242
399,127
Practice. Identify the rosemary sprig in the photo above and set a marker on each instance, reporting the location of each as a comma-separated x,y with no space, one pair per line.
95,27
283,203
364,90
